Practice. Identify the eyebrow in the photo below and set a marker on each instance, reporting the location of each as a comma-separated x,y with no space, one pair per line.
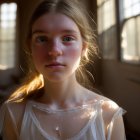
63,31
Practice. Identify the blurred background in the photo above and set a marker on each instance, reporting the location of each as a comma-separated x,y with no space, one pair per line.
117,71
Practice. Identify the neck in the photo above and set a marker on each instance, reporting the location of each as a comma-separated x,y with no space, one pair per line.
61,93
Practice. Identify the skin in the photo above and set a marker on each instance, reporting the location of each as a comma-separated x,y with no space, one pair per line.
56,38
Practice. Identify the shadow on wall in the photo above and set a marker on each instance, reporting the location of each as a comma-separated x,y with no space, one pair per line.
121,83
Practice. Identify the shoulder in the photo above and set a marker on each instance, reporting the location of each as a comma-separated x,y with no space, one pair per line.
113,120
13,113
14,108
109,107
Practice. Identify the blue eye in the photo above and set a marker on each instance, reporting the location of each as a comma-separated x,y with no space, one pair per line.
68,39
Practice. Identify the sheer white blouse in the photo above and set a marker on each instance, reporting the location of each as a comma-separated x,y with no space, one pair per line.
42,123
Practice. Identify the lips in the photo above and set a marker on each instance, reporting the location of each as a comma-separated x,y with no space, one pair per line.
55,65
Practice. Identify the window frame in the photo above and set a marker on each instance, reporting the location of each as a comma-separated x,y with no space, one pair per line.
106,42
9,76
8,40
121,21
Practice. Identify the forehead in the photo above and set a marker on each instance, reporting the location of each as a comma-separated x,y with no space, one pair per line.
54,22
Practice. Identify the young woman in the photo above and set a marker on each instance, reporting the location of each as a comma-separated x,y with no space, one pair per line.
52,104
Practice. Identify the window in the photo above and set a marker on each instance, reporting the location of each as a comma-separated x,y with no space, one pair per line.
107,28
131,8
130,34
131,40
106,15
119,29
7,35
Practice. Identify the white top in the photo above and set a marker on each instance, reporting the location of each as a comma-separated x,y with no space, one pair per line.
80,123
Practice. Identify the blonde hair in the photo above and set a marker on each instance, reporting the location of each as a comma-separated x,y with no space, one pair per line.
77,12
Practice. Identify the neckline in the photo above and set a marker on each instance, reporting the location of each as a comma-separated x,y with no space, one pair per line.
45,107
76,136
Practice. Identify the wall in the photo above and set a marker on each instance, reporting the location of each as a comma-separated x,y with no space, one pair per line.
121,82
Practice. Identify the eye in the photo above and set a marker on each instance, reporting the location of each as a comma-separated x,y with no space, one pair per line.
68,39
41,39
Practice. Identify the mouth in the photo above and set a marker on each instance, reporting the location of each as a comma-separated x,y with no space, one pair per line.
55,65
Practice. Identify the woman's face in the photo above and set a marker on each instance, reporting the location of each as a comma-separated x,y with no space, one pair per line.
56,46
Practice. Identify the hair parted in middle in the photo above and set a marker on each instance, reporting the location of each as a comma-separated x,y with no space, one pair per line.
75,10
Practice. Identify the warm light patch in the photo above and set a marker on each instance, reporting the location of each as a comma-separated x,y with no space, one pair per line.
112,105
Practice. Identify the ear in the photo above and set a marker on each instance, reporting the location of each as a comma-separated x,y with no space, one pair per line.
84,49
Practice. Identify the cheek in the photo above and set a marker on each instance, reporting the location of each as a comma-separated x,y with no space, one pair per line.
39,55
74,55
74,52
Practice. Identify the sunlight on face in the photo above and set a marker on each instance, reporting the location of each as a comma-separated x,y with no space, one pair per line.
57,45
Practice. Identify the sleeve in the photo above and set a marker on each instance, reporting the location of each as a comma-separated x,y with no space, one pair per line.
117,122
8,127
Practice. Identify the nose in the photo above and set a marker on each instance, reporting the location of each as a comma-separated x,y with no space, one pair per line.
55,49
